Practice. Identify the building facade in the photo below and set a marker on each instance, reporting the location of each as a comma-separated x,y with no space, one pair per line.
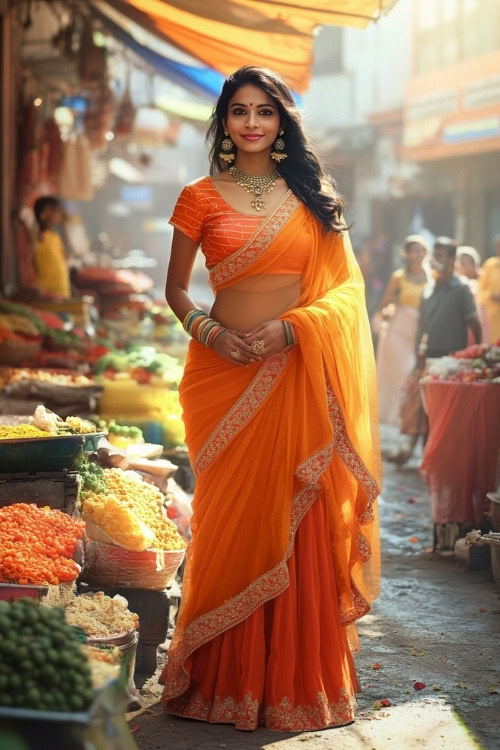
452,116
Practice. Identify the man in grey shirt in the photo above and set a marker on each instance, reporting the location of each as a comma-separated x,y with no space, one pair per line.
447,309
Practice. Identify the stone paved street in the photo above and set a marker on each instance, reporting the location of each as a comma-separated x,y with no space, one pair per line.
434,622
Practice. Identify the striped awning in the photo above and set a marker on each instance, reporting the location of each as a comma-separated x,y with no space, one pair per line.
225,34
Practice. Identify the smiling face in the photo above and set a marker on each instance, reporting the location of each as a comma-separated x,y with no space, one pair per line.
442,263
253,120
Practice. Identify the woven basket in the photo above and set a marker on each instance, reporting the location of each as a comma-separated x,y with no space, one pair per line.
115,567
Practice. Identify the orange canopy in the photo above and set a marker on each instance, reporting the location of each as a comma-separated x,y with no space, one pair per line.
230,33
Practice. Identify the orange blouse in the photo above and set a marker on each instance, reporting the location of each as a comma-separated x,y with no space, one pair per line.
206,217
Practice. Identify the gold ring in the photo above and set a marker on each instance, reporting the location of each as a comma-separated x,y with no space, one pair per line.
235,355
258,346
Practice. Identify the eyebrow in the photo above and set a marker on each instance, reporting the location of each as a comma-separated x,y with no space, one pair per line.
238,104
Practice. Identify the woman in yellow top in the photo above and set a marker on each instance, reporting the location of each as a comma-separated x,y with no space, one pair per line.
279,406
396,347
50,258
489,294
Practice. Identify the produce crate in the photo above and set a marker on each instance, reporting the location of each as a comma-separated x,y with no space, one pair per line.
50,596
92,440
40,454
77,307
14,353
57,489
103,726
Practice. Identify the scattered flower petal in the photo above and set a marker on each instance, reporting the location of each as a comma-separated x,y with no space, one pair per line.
413,539
377,705
376,665
482,609
410,500
414,652
422,653
386,702
436,688
419,685
461,685
493,689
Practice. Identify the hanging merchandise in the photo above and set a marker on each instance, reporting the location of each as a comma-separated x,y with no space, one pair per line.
125,117
75,183
55,150
92,63
98,118
29,162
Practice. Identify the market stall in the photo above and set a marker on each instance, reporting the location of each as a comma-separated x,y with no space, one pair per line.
462,399
67,566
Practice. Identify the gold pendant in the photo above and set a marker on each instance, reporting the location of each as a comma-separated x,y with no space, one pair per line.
258,204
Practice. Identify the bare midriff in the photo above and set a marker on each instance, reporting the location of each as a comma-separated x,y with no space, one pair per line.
255,300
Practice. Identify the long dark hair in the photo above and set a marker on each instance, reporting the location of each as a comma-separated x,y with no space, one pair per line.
302,169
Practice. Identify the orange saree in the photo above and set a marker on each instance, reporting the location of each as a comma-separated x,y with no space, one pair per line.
285,552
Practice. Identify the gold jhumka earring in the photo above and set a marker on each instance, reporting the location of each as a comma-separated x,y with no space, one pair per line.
227,153
279,148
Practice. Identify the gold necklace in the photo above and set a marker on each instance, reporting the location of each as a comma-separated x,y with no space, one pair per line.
256,185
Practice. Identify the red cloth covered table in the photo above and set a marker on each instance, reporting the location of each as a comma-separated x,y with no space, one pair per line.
460,458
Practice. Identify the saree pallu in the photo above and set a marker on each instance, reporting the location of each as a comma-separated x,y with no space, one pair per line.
395,361
285,552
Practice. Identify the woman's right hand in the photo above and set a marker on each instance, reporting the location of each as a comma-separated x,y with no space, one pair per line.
229,342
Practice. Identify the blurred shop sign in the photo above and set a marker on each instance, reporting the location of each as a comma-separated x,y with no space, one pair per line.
482,93
138,196
472,130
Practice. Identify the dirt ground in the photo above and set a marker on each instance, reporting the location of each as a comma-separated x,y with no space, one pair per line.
435,622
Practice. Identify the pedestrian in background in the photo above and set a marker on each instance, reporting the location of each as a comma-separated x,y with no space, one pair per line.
489,294
469,266
277,395
397,323
50,257
447,312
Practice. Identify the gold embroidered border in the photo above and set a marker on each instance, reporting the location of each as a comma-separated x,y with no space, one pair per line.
249,713
258,243
350,457
268,586
359,607
243,410
273,582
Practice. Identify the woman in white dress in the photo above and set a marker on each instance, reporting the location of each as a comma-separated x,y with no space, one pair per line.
398,328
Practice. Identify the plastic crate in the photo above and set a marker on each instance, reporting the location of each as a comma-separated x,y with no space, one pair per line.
57,489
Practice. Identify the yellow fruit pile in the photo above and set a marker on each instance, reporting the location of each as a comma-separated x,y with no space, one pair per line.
146,501
80,426
21,432
118,521
132,506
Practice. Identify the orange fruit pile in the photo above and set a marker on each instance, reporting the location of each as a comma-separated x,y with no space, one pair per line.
36,545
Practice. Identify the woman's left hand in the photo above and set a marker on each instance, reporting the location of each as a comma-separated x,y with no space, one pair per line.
272,333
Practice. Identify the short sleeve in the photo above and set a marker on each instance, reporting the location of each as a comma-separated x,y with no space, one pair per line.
187,215
468,302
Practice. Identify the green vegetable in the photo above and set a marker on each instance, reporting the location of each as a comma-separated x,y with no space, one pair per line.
50,671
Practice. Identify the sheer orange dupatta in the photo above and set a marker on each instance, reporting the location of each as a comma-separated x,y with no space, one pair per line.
267,439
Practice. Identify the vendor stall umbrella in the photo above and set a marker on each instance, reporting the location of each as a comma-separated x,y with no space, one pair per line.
229,33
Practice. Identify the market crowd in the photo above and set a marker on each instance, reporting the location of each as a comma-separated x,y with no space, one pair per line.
441,301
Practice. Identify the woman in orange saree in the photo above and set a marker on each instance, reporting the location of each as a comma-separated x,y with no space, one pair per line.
285,554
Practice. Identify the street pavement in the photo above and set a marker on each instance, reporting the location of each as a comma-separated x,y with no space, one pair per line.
435,623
